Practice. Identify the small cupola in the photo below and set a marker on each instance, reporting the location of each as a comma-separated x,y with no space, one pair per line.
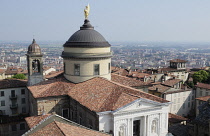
34,48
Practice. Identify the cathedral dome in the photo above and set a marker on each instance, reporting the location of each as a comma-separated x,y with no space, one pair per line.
87,37
34,48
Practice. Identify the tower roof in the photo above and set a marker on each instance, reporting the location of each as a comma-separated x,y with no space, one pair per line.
86,37
34,48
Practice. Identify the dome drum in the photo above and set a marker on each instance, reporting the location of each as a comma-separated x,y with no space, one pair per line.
86,55
87,44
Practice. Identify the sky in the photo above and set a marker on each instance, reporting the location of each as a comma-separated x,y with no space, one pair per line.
116,20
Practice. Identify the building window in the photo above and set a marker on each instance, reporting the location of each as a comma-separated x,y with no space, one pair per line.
207,93
22,126
14,128
188,104
23,100
2,103
76,69
65,113
22,91
96,69
109,68
23,109
2,93
189,98
12,93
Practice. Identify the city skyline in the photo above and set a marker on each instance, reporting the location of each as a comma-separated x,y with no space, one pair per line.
179,21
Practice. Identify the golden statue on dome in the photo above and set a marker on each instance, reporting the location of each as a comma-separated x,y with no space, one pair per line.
86,11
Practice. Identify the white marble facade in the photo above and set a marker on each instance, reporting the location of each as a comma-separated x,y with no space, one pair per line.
140,118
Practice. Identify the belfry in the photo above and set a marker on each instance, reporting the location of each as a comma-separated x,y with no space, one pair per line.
35,64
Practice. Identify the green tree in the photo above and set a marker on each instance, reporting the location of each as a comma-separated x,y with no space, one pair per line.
200,76
190,84
19,76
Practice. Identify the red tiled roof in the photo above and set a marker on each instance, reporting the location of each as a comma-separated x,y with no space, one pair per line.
34,120
2,71
203,98
159,88
99,94
58,126
171,82
53,74
176,118
15,70
126,80
54,87
178,60
138,74
203,85
12,83
51,129
121,72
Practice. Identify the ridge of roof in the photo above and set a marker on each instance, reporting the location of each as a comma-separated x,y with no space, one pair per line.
59,128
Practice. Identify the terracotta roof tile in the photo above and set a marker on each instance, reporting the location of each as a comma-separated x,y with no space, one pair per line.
2,71
171,82
51,129
34,120
122,72
159,88
71,130
12,83
203,98
126,80
54,87
178,60
15,70
176,118
58,126
53,74
203,85
99,94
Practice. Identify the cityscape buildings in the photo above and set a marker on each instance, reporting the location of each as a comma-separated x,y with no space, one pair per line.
87,96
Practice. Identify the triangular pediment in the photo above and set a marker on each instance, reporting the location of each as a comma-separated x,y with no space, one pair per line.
139,104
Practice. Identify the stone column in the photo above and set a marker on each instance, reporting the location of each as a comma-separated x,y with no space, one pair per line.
131,127
145,126
148,126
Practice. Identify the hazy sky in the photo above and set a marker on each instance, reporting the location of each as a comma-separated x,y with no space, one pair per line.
116,20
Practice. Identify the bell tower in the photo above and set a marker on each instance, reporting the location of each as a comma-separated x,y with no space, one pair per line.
34,63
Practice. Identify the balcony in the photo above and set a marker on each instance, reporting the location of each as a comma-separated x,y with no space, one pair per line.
13,96
13,106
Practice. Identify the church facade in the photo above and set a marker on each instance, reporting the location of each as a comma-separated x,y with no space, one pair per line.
86,94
